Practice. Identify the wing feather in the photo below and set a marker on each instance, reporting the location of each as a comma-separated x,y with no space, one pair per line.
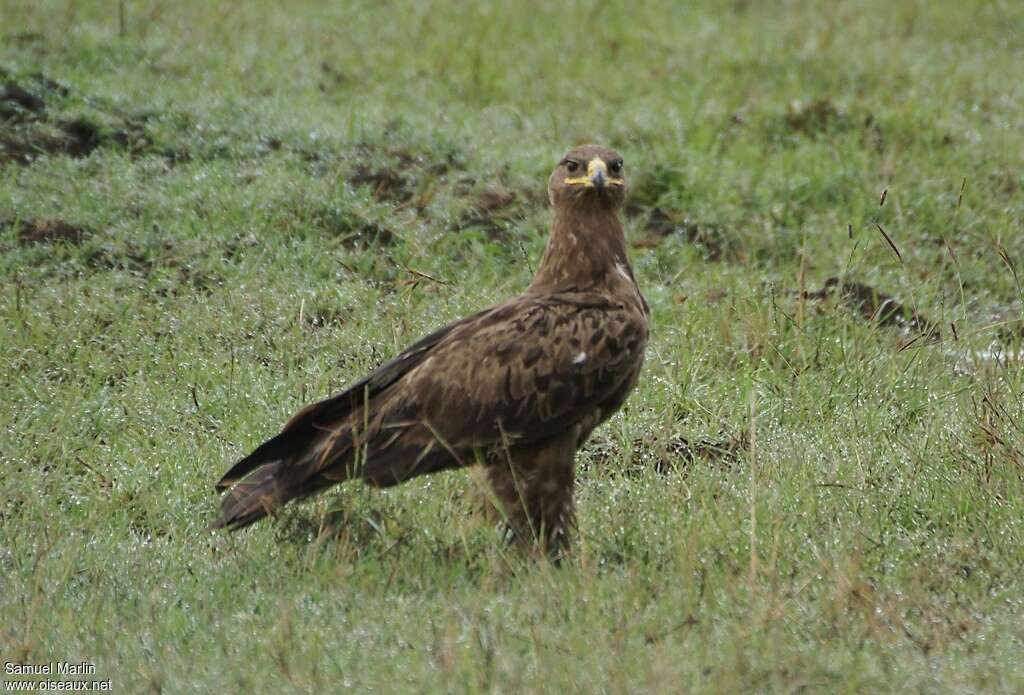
307,425
529,370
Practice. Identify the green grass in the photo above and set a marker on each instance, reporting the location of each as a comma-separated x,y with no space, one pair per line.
797,497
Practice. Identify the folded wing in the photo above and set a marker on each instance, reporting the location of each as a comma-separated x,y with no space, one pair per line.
521,371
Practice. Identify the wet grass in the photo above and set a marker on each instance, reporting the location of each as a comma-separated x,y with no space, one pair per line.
210,215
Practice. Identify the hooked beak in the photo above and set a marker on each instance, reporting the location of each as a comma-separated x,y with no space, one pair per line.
597,172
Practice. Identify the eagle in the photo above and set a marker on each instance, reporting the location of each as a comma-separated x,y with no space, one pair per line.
516,388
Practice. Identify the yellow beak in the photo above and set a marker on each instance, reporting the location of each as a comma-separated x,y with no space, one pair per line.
597,176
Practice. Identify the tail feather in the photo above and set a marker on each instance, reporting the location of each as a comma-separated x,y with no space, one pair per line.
271,485
312,451
250,500
296,436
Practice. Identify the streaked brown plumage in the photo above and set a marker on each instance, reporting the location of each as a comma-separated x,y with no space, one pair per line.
517,387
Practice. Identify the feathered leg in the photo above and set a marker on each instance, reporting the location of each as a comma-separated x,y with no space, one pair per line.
534,485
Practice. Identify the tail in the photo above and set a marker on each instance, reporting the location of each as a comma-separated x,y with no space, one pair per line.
284,467
250,500
293,465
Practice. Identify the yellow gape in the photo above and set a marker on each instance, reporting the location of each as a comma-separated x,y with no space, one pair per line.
597,176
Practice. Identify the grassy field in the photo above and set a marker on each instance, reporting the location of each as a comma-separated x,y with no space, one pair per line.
211,213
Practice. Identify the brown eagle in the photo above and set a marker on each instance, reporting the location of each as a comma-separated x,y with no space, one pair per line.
517,387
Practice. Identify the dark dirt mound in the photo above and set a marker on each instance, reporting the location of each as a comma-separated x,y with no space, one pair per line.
814,117
667,454
30,129
355,230
663,223
876,306
495,210
399,174
386,183
47,231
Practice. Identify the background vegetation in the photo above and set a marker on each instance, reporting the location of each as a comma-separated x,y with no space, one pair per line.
211,213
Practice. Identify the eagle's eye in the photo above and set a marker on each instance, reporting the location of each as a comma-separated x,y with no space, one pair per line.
615,167
571,166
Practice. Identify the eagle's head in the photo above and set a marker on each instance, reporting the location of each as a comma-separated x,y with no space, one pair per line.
588,176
